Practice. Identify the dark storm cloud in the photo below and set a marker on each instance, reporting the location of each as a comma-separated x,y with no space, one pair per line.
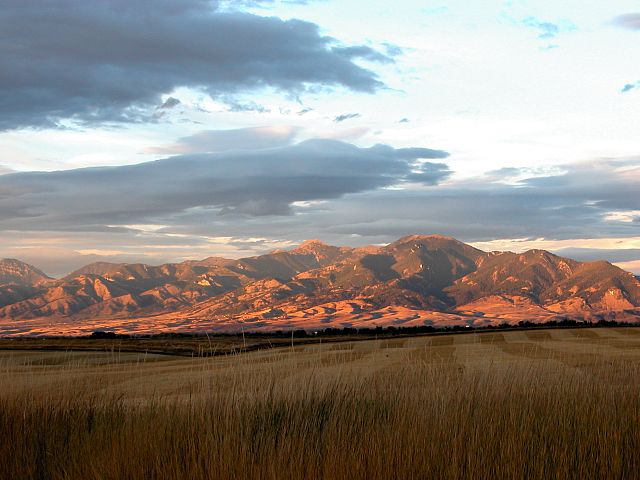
264,182
630,21
111,60
255,138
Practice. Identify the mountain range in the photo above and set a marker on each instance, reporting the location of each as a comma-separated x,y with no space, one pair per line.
417,280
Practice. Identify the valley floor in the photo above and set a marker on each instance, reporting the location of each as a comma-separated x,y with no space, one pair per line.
561,403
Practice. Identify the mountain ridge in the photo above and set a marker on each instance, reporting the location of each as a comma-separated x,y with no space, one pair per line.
416,280
13,271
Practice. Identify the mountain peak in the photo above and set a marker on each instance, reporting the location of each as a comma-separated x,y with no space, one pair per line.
314,242
417,238
431,242
21,273
12,261
96,268
312,246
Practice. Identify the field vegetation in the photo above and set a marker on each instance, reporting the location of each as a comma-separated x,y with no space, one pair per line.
513,404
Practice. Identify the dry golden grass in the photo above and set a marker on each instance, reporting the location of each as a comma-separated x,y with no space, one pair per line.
544,404
187,346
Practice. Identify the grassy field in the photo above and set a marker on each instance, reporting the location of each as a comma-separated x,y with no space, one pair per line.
187,346
517,404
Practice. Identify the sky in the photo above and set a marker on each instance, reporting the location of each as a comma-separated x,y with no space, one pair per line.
164,130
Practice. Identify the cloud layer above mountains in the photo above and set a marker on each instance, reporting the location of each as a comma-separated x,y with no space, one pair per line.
102,61
600,196
251,183
244,201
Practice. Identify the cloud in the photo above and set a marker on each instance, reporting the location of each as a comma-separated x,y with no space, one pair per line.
622,251
169,103
392,50
207,141
629,86
112,60
364,52
585,248
547,29
235,106
240,4
632,266
344,134
630,21
332,190
248,183
593,254
59,261
346,116
570,205
627,216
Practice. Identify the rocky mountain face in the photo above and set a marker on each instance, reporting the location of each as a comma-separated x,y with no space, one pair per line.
19,281
417,280
15,272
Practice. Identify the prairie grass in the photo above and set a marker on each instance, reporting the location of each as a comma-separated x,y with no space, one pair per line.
508,406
